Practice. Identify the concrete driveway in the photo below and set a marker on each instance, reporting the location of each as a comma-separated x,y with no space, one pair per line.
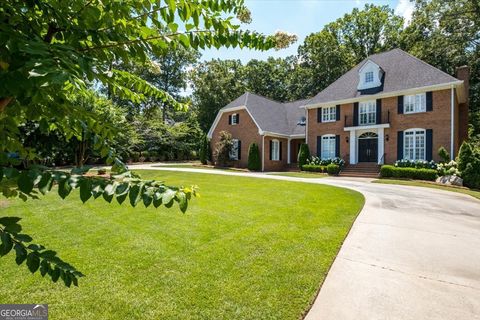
412,253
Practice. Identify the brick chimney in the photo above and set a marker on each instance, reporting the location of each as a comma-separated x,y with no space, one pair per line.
463,73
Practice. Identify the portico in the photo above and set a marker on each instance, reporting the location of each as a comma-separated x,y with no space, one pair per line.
367,143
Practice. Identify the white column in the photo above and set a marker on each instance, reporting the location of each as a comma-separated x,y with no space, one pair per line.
452,125
263,152
353,147
381,145
288,151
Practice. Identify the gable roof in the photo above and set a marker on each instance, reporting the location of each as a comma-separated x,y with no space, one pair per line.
402,71
270,116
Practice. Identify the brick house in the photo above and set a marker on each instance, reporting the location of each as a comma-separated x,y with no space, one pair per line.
390,106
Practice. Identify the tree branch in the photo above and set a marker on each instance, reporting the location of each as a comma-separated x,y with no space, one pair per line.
4,103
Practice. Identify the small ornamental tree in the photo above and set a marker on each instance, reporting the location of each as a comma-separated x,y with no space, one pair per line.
223,148
465,156
443,154
254,163
204,150
303,155
469,165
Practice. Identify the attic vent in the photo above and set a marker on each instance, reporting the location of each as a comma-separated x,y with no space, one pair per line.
302,121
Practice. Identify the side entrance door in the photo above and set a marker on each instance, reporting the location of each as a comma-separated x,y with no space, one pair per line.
367,150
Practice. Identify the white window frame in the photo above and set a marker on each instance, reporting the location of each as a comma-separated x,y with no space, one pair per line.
275,150
369,77
414,144
234,119
329,144
367,113
415,103
329,114
234,151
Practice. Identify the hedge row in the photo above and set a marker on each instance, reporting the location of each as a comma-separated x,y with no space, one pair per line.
331,169
388,171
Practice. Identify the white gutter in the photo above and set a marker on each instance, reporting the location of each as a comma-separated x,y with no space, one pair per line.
452,123
263,153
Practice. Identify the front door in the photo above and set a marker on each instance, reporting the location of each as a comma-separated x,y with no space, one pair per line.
367,150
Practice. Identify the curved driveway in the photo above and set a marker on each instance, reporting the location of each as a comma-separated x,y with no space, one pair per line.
412,253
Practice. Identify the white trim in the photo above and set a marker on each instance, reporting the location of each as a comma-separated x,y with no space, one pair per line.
423,103
219,116
328,137
353,147
388,94
414,130
381,145
306,126
263,153
373,126
452,124
329,114
376,71
275,155
288,150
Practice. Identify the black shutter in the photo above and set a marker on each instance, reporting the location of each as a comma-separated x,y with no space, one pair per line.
337,112
429,101
400,104
230,119
319,115
379,111
238,118
400,145
355,114
239,149
280,151
271,149
429,145
337,146
319,146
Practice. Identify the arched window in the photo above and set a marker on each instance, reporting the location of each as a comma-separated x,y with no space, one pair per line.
328,146
414,144
275,150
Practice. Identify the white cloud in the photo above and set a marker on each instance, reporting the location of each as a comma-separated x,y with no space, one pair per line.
405,9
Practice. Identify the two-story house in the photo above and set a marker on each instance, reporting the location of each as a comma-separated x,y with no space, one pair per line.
391,106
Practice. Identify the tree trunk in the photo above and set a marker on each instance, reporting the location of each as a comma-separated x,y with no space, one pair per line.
4,103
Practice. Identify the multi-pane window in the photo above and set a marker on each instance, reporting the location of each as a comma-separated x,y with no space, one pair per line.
415,103
328,147
368,112
234,151
368,76
235,118
275,150
329,114
414,144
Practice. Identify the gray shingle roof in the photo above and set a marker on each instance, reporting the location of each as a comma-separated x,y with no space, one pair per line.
271,115
402,71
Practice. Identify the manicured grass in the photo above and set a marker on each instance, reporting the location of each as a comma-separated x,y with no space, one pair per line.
248,248
299,174
470,192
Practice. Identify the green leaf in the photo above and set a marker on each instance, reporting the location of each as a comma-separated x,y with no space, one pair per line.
46,182
44,267
55,274
122,192
21,253
33,262
182,201
23,237
168,196
147,199
25,182
64,188
10,173
135,194
157,199
6,221
7,243
66,278
85,190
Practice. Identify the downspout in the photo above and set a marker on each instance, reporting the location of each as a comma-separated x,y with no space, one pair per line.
263,152
452,124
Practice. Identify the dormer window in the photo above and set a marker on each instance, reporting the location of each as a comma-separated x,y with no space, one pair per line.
368,77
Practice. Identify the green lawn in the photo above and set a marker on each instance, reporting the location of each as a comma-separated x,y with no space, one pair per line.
247,249
299,174
473,193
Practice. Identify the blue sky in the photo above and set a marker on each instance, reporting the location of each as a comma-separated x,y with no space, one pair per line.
300,17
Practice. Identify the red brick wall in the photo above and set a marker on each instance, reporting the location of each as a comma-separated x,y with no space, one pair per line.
245,131
438,120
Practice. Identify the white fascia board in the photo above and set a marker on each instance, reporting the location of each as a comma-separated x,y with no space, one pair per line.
436,87
219,116
373,126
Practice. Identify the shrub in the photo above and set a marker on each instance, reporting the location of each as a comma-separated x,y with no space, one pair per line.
303,155
419,164
254,163
223,148
318,161
469,165
388,171
465,156
204,150
443,154
135,156
333,169
450,168
314,168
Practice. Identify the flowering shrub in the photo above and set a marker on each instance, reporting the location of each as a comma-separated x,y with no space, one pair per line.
419,164
325,162
450,169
